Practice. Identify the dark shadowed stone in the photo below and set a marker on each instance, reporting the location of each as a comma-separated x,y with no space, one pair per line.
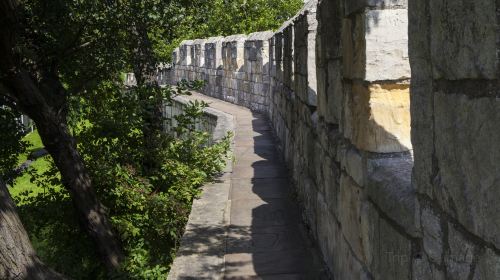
389,186
352,6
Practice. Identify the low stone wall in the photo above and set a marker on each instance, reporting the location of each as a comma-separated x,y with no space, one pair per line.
212,121
335,83
202,249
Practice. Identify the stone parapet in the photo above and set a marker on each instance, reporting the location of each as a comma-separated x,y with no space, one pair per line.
335,82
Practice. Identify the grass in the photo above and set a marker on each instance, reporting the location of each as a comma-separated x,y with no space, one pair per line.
50,220
35,142
23,183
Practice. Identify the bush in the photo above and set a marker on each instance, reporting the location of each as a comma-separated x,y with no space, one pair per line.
148,207
11,144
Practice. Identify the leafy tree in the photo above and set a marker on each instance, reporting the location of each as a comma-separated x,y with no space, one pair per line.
49,51
202,19
247,16
17,258
58,56
12,144
148,208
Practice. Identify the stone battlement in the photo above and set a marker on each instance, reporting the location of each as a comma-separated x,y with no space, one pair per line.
334,82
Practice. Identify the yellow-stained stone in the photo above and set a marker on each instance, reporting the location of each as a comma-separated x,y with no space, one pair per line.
377,117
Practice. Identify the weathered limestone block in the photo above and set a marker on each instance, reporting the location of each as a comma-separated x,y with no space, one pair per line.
278,53
308,197
329,61
213,52
257,49
422,110
388,253
459,257
328,232
464,39
288,56
185,52
305,31
175,56
467,136
422,269
199,53
233,52
331,97
432,234
376,46
488,266
328,176
352,6
354,164
377,117
350,203
312,24
389,186
346,265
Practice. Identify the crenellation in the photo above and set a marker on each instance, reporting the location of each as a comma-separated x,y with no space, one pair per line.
392,165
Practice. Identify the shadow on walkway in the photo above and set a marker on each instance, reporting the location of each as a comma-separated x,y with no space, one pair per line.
266,237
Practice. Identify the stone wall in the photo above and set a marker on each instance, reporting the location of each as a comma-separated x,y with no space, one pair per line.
454,51
335,84
340,106
235,68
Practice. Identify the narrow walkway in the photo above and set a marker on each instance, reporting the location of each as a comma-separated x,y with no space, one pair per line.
265,238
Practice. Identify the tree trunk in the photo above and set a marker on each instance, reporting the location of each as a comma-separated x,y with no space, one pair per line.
17,256
76,179
41,95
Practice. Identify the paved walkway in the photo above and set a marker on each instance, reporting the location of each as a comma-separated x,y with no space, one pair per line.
265,238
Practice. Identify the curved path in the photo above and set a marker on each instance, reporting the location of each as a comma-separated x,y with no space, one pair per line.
262,236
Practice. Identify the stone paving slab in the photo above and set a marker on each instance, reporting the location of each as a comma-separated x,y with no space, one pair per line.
260,171
250,142
260,234
264,188
263,239
252,133
266,263
260,213
271,277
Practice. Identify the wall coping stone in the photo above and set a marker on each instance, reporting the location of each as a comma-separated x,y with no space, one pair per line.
212,40
187,42
259,36
235,38
199,41
353,6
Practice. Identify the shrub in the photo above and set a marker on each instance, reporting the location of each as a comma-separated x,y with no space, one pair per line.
148,207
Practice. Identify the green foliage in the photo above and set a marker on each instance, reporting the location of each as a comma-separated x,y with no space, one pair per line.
11,144
49,217
25,183
203,19
148,207
247,16
147,179
34,144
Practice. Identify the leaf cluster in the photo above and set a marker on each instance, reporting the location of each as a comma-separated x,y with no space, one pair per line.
11,144
148,207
